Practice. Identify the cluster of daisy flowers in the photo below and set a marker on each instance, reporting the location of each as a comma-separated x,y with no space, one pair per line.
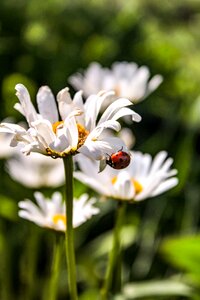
82,126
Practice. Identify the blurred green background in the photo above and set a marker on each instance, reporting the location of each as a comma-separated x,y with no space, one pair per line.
43,43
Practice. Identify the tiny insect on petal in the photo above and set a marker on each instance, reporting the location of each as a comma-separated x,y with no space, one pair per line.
119,160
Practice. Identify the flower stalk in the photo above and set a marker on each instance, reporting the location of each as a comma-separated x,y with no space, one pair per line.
55,268
69,235
114,265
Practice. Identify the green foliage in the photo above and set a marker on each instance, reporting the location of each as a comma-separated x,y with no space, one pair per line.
8,208
8,93
42,43
183,252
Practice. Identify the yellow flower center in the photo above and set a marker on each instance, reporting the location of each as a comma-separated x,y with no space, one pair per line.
57,218
82,135
113,180
137,186
82,132
56,125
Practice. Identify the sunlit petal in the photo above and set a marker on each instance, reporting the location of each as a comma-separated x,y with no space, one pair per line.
47,105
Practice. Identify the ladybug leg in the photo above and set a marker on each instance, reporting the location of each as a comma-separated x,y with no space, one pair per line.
108,156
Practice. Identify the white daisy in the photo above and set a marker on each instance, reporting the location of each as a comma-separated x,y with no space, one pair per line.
50,213
143,178
5,149
80,128
36,170
127,136
126,79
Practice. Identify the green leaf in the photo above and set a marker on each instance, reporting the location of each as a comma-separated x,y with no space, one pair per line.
184,253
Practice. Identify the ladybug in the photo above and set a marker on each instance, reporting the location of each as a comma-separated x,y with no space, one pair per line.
119,160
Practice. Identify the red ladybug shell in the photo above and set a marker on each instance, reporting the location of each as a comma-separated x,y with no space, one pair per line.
119,160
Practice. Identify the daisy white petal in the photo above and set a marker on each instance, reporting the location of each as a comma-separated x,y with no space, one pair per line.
50,213
93,150
80,129
19,108
98,149
143,178
153,84
113,108
57,201
37,219
90,82
19,135
11,128
84,209
123,186
111,124
78,100
65,103
47,105
167,164
158,161
142,164
94,102
172,172
44,128
124,111
26,104
92,182
44,131
92,107
164,186
39,197
127,137
72,131
29,206
6,150
36,170
126,79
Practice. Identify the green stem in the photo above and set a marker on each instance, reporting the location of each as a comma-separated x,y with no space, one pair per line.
114,266
69,236
29,263
55,268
